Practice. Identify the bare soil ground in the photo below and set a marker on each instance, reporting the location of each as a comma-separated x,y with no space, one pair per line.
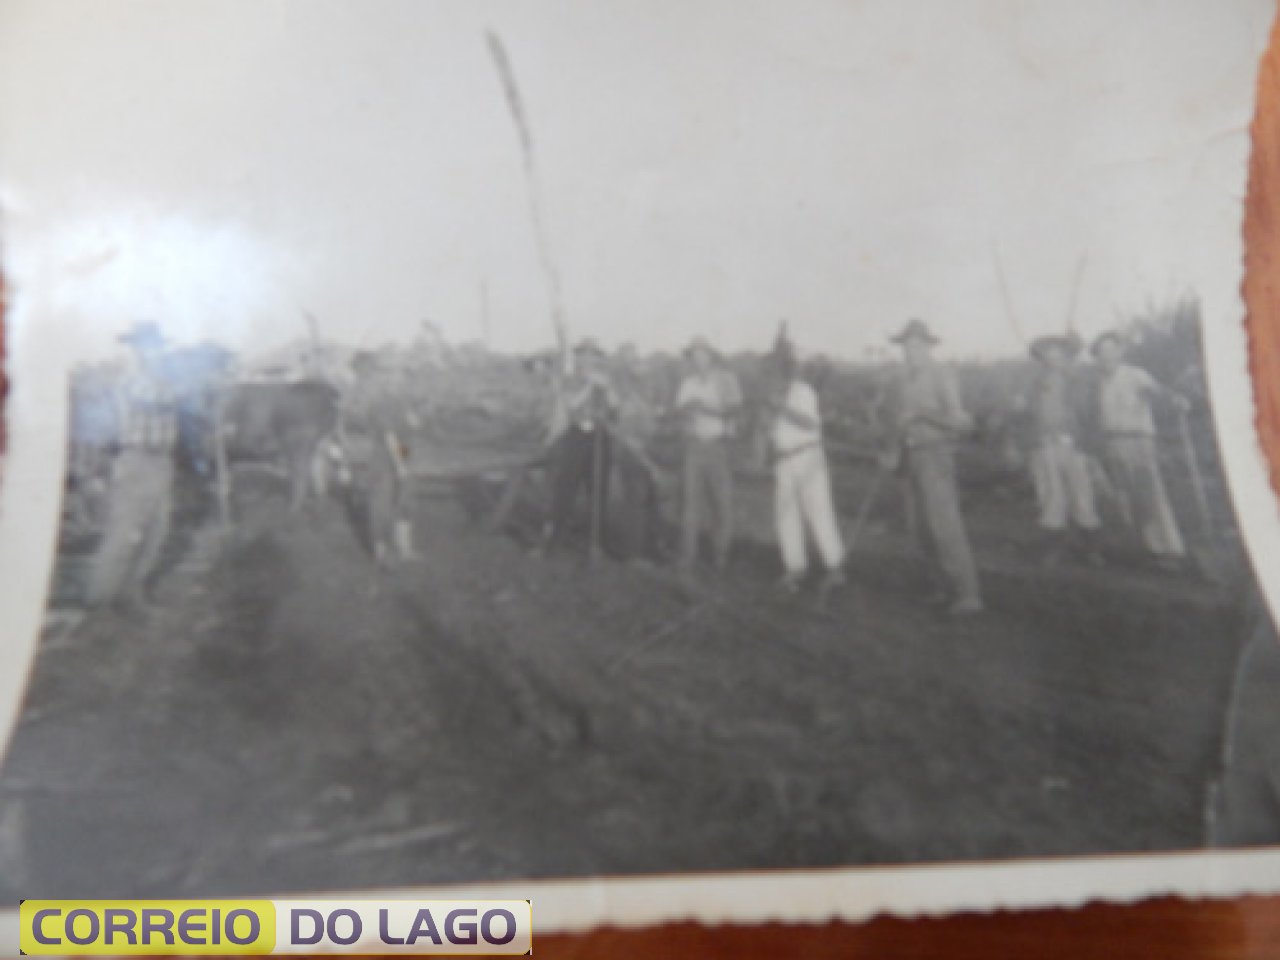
286,718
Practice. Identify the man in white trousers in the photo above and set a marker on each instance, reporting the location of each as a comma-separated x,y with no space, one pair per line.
1059,464
803,509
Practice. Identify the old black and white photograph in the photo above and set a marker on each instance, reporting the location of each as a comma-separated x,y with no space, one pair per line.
505,441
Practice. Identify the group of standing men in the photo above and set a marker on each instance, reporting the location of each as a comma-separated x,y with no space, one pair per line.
143,450
602,420
593,424
1072,457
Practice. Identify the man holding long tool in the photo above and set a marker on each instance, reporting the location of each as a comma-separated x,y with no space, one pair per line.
585,448
802,480
927,418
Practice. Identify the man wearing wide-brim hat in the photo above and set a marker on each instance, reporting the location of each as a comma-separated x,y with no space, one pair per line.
590,349
540,362
926,421
708,401
1126,394
1059,465
142,475
144,335
364,361
701,345
914,329
1046,347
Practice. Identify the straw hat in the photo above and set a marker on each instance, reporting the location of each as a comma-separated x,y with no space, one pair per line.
1041,346
701,343
143,334
915,329
1102,338
590,348
538,361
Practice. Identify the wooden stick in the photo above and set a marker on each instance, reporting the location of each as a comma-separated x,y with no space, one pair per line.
1075,291
597,486
222,474
515,103
864,510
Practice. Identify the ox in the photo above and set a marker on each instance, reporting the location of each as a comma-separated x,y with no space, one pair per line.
275,421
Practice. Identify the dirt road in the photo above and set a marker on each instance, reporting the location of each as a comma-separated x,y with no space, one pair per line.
284,718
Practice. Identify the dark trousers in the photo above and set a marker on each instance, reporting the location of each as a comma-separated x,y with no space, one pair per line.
641,531
583,460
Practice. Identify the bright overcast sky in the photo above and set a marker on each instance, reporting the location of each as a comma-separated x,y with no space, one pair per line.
709,166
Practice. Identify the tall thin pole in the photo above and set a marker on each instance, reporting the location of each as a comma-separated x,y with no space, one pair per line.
221,471
597,492
315,364
532,188
1075,292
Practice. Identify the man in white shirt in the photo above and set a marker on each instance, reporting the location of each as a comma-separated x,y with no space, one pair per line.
708,401
802,481
1125,395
